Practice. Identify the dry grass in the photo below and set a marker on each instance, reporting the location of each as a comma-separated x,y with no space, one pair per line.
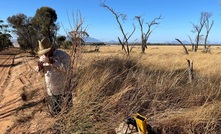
111,87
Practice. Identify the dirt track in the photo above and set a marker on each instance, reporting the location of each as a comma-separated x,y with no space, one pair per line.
6,62
21,93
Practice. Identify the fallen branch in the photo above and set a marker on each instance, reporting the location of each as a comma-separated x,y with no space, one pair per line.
183,46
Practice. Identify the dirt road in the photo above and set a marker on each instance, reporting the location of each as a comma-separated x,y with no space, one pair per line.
6,62
21,93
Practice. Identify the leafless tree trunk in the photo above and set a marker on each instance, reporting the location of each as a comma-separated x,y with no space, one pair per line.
198,28
183,46
208,27
193,48
145,36
125,42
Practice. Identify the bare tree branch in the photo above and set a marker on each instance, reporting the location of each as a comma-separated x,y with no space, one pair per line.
145,36
198,28
125,37
191,43
182,45
208,27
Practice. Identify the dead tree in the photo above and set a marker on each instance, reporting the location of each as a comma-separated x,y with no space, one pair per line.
198,28
145,36
192,44
77,34
125,42
186,51
208,28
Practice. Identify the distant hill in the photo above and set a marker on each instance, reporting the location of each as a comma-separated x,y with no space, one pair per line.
112,41
87,40
92,40
183,41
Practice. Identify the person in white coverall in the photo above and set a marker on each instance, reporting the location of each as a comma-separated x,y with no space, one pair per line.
55,65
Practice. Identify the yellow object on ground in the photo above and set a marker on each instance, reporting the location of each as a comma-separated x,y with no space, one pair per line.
141,123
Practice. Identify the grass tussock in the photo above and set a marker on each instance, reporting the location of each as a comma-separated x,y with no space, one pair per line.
110,89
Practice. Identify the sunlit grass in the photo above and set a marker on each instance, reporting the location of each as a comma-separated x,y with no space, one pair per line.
111,87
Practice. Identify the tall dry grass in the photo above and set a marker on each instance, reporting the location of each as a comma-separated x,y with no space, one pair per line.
110,87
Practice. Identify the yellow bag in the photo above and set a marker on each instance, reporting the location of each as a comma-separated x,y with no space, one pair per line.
141,123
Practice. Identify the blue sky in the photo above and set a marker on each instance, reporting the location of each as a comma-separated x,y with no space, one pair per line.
176,23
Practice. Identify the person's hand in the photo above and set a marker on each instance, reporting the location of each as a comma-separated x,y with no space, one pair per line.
40,65
50,60
46,59
42,58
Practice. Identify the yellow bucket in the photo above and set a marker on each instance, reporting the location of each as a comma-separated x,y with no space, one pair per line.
141,123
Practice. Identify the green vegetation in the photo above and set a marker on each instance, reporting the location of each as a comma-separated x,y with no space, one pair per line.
98,44
5,37
59,41
30,29
67,44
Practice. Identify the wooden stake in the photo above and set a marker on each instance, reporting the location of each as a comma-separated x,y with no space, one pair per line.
190,70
